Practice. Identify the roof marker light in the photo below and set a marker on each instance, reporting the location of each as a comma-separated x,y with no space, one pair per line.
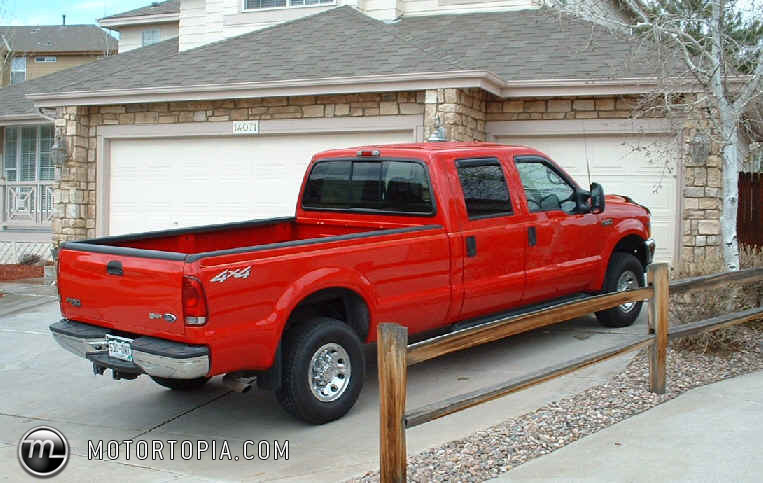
368,153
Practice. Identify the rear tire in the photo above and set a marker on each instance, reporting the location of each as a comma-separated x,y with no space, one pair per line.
181,384
323,370
624,272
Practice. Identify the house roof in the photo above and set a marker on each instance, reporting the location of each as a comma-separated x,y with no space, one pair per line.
58,38
516,46
155,8
14,103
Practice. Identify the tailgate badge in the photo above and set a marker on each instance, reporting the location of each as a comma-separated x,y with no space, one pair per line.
168,317
74,302
227,274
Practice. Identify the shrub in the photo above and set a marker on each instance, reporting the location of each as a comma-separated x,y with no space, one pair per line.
704,304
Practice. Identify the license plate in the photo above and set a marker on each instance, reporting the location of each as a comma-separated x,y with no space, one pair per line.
119,348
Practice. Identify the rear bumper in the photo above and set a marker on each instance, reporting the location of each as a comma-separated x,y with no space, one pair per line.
153,356
649,245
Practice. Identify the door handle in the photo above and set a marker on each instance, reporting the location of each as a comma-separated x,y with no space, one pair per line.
471,246
532,236
114,267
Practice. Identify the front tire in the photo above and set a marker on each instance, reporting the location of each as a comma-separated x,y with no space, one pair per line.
181,384
323,370
625,272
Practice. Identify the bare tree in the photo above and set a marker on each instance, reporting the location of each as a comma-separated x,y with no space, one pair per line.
696,52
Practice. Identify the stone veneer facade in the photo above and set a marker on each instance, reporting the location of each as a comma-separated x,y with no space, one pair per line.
463,112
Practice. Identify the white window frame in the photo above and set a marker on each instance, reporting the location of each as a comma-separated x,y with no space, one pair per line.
154,32
40,191
288,5
15,70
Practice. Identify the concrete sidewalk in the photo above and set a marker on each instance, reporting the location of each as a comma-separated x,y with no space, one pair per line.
713,433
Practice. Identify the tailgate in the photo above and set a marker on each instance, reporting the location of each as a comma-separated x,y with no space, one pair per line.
127,293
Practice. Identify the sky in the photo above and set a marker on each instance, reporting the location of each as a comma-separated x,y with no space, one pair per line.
48,12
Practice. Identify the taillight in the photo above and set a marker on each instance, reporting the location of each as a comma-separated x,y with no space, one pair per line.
194,302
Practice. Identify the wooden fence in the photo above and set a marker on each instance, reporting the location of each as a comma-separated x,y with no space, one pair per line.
750,209
395,355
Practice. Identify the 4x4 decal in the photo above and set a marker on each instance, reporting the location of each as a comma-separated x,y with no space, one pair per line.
226,274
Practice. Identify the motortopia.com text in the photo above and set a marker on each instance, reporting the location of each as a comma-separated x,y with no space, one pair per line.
186,450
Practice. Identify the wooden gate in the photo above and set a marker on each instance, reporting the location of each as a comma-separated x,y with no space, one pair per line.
750,211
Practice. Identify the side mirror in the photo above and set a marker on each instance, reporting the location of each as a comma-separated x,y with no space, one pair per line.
597,198
582,198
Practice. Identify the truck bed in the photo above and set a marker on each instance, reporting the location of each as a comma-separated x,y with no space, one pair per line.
213,239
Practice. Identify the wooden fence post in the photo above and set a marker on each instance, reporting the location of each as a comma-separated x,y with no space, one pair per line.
392,349
658,325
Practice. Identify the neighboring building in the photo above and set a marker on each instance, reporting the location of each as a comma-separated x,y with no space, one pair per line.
155,139
26,136
145,26
35,51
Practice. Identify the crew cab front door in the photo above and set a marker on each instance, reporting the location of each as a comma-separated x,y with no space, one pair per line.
565,250
493,241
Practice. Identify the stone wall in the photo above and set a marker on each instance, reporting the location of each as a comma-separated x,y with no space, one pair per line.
534,109
460,111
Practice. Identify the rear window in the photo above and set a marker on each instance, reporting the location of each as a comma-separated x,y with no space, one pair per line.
388,186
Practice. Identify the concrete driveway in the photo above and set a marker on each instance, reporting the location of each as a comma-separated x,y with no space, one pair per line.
44,385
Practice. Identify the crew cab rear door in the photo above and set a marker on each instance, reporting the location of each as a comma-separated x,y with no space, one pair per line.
493,238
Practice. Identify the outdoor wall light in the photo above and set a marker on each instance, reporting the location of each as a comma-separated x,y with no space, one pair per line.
438,135
58,151
700,148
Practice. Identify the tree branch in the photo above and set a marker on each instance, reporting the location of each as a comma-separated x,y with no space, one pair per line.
752,88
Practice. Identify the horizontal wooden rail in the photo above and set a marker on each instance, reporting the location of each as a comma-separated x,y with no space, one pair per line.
463,401
492,331
706,281
709,325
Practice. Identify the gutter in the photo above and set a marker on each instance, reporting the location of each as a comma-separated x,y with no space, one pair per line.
21,119
139,20
486,80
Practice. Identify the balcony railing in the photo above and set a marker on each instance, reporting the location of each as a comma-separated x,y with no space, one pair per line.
27,204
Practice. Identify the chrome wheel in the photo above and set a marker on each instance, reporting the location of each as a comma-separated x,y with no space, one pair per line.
329,372
627,281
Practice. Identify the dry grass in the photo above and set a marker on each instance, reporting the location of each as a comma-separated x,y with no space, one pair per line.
704,304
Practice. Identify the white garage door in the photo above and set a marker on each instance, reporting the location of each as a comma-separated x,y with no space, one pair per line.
158,184
634,166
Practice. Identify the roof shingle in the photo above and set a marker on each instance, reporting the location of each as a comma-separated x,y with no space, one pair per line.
58,38
156,8
342,42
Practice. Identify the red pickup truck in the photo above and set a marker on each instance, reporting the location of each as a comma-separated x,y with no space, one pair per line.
426,235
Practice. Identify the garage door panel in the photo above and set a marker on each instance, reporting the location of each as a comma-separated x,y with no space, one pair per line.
160,184
639,166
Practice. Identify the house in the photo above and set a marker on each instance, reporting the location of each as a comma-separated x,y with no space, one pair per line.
218,123
28,54
145,26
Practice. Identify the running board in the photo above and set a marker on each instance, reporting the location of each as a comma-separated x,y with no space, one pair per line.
467,324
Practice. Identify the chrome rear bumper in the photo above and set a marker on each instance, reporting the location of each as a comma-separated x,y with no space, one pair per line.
155,357
650,247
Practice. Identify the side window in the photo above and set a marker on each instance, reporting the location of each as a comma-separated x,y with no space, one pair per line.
388,186
484,187
544,188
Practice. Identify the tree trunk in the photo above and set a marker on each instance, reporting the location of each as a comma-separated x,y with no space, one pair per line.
730,246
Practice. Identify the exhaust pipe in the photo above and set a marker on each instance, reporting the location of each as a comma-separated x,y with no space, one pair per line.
239,381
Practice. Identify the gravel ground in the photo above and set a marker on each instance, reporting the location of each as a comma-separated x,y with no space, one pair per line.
487,454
